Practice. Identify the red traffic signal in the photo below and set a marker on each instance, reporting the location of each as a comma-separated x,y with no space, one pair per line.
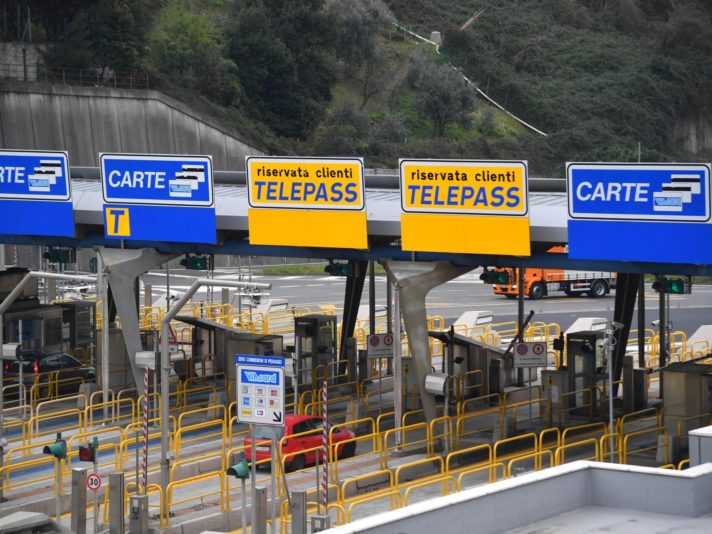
87,453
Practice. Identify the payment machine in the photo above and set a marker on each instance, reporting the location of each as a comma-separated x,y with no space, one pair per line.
314,347
586,365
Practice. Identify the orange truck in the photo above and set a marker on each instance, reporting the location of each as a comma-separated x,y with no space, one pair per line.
541,282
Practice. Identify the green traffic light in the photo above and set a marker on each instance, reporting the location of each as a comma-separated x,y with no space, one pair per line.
58,449
240,470
676,286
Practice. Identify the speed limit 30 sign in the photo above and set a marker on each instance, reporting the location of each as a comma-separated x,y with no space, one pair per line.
530,354
93,482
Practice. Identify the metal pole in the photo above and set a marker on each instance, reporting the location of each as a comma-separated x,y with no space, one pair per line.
520,317
95,504
253,476
663,334
325,445
243,526
58,490
104,335
273,507
641,323
20,392
144,462
397,363
371,297
609,358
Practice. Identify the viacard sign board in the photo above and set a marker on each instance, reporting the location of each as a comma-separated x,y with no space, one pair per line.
312,202
657,212
465,206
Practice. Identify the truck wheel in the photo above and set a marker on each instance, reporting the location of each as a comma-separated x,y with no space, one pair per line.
536,291
598,289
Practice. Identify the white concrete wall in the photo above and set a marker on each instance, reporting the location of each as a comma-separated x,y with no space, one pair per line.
533,497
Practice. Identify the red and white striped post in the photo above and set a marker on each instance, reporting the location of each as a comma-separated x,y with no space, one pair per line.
325,445
144,458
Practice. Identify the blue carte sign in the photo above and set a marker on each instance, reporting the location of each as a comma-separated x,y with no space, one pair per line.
639,212
35,194
158,197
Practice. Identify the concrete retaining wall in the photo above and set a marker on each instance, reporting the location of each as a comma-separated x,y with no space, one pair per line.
88,120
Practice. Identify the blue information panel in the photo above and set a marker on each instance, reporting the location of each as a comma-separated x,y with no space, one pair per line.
639,212
158,198
35,194
260,389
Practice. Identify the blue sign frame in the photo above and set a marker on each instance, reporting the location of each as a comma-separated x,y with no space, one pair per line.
158,198
640,212
35,193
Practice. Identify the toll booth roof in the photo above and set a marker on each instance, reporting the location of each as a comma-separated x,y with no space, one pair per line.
201,322
459,339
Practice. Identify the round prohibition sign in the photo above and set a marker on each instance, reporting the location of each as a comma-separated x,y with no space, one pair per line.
94,482
538,349
388,340
522,349
374,341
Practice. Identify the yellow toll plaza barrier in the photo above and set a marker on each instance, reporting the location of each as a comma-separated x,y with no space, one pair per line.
218,476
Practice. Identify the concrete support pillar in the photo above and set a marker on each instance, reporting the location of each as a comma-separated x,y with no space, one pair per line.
123,267
415,280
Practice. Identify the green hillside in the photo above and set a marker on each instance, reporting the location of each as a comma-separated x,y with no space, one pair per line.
603,79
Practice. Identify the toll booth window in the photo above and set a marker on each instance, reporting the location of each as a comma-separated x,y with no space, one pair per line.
53,331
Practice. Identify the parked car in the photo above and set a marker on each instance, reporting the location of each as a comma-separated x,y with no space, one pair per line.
72,372
293,426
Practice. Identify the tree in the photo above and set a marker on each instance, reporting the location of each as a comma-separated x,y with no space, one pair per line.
184,46
284,50
441,94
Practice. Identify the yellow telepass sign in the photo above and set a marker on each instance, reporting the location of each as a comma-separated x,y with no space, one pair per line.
301,183
316,202
465,206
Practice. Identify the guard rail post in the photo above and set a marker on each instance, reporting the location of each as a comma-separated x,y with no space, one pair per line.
116,503
79,500
139,514
298,510
260,504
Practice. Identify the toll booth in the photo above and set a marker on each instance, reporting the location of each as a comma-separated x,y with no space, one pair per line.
315,338
214,345
480,369
687,401
585,360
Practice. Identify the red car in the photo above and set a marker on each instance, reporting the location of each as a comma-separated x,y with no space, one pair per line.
297,424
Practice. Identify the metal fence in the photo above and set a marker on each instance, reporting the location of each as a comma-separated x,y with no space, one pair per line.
36,72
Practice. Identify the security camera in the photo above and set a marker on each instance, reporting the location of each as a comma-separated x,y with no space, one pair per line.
655,323
616,325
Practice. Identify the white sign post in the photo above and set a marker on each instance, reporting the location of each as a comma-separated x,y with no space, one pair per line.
260,400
